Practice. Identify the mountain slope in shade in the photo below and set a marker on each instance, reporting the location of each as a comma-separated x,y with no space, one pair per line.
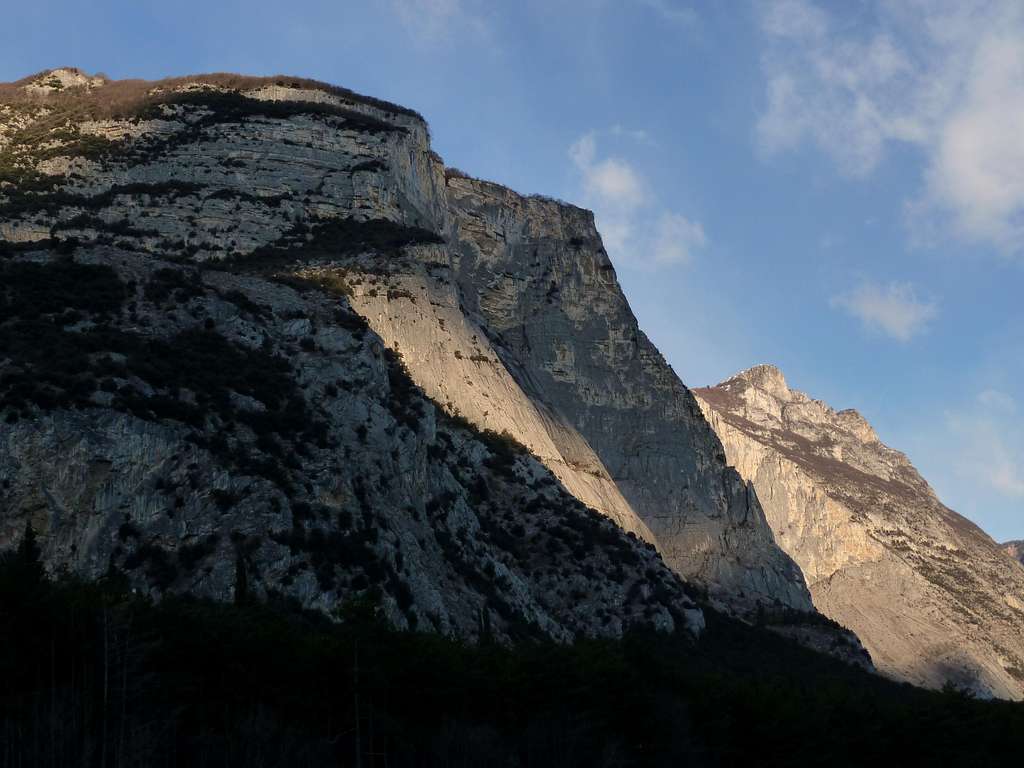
505,308
527,330
177,406
930,595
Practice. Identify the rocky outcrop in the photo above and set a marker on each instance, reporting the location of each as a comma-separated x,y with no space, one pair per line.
57,80
505,308
1015,549
519,325
536,274
188,399
280,215
932,598
222,434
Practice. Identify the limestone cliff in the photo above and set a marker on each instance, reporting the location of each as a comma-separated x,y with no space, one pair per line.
505,308
1015,549
188,398
520,326
535,272
932,597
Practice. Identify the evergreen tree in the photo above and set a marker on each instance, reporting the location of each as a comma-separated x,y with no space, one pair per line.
21,572
30,558
241,580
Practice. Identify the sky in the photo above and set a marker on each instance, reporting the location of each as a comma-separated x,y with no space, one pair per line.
836,188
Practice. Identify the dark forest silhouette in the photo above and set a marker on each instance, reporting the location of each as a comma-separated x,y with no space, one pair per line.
93,675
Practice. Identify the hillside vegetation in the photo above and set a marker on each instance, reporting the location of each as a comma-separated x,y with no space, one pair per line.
95,676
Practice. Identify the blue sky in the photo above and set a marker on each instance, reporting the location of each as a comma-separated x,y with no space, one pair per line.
836,188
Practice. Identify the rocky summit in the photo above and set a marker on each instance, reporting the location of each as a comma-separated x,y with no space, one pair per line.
933,599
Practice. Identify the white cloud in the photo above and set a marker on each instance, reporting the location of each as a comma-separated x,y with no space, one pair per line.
632,225
943,76
978,169
583,151
677,237
613,187
892,309
990,439
612,181
616,182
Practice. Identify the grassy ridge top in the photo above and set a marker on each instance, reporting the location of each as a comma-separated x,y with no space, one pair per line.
124,98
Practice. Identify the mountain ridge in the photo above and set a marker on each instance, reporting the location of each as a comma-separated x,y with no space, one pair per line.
205,194
928,592
226,424
284,398
201,149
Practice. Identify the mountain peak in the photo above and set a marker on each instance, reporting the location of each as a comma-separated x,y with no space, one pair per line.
765,372
766,377
55,80
857,517
853,421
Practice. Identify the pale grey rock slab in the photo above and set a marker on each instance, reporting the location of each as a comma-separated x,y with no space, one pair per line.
933,599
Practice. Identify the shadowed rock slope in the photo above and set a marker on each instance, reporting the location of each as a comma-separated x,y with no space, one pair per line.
932,597
217,433
179,405
504,308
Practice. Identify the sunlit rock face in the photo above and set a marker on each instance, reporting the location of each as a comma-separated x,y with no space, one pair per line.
286,214
932,598
190,398
535,273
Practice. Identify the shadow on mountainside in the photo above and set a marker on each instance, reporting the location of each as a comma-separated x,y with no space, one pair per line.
96,676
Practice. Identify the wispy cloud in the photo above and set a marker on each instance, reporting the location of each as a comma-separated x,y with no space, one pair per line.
677,237
672,11
612,180
892,309
944,76
436,21
634,227
997,402
638,135
611,186
989,436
